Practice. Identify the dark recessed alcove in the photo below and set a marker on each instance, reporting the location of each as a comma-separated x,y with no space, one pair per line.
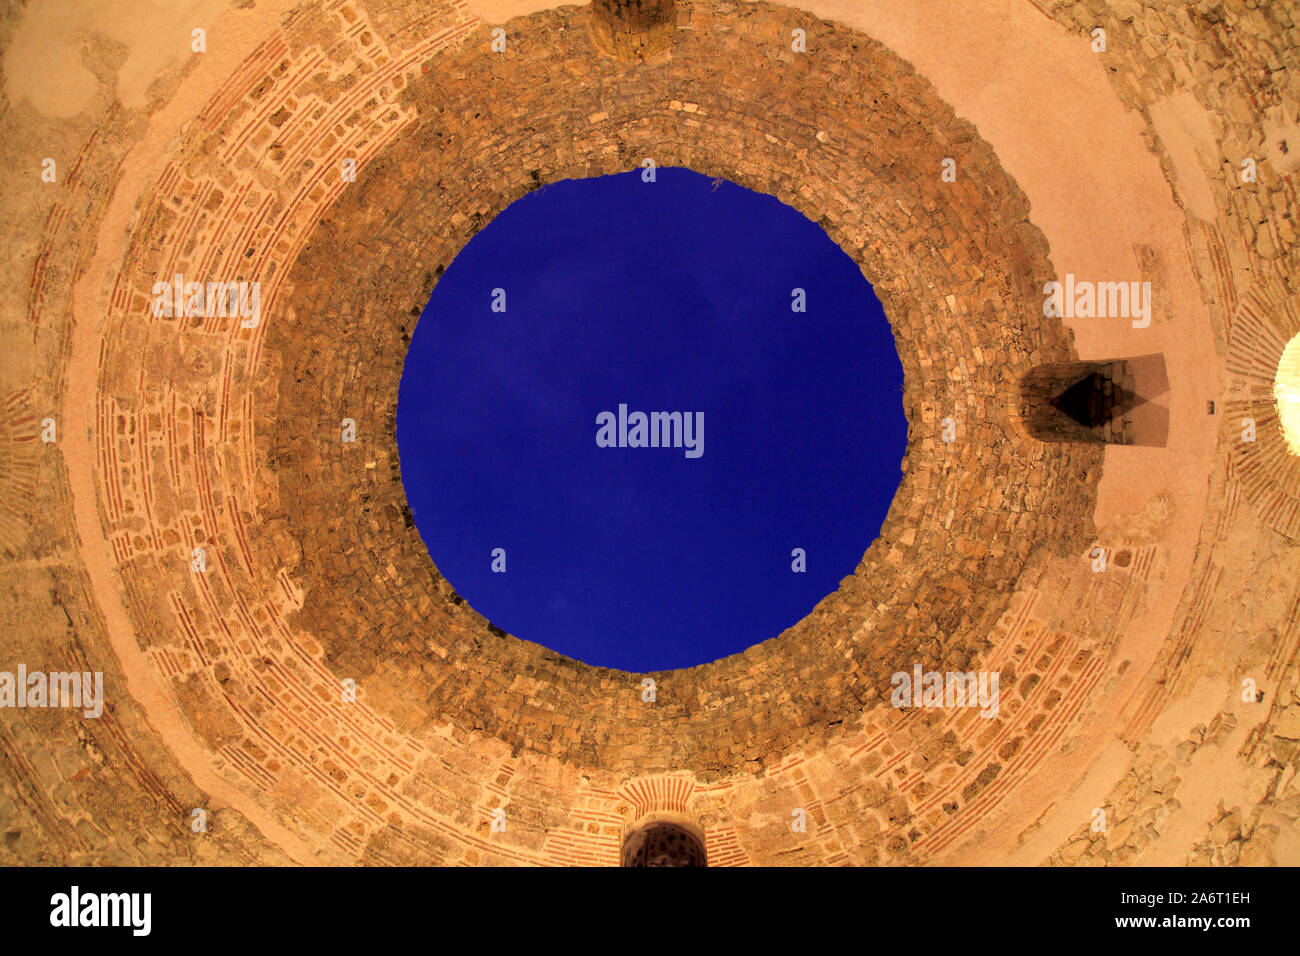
663,844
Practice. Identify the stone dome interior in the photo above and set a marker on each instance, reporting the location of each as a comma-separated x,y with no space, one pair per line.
1098,520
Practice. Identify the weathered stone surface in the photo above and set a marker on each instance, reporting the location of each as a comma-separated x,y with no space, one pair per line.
195,432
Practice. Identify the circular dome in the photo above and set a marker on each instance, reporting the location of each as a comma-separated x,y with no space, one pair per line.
968,514
330,697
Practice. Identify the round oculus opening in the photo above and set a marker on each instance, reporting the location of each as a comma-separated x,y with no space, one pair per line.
649,422
1286,392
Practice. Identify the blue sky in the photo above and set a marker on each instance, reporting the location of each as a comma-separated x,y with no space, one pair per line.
666,296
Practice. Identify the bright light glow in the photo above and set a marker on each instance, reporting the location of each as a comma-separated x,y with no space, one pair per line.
1286,389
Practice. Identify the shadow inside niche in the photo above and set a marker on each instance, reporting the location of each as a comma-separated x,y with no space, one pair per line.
1109,402
663,844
